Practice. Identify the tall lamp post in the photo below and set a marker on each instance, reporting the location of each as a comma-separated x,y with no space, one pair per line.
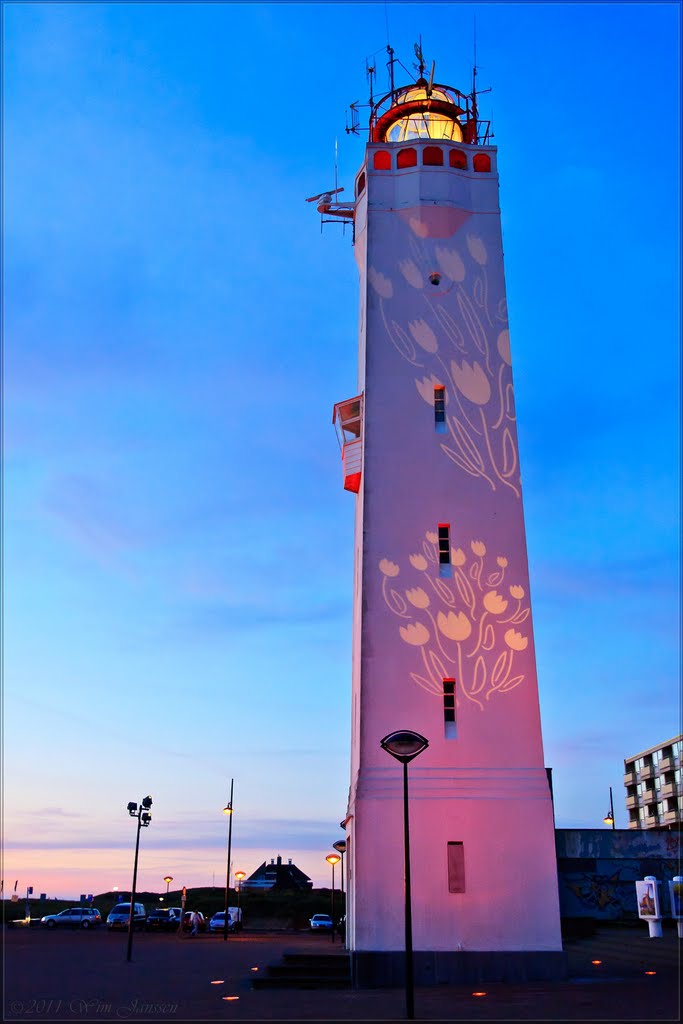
228,810
332,858
168,879
239,878
404,746
609,817
340,847
144,820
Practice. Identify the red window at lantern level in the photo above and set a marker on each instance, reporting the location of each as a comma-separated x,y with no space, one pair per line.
432,156
360,183
457,158
406,158
382,160
482,162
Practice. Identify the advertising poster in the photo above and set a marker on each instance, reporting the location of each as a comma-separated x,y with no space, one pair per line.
676,894
647,899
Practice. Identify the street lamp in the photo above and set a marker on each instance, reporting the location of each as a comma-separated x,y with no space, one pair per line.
228,810
404,746
144,820
332,858
239,877
168,879
609,817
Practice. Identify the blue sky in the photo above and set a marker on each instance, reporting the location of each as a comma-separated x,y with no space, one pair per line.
178,546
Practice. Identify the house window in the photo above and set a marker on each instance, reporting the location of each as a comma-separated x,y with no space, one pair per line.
440,409
457,158
360,183
482,162
407,158
444,549
382,160
432,156
449,709
456,867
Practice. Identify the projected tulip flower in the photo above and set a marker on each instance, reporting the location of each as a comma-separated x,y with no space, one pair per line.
459,627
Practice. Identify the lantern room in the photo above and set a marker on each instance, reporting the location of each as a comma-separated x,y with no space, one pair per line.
347,419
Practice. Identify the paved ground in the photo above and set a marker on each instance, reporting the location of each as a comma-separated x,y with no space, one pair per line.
85,976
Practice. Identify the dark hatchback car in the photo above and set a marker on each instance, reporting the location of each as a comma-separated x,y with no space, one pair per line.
165,919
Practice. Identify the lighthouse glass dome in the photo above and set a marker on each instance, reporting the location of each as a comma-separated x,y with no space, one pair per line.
425,123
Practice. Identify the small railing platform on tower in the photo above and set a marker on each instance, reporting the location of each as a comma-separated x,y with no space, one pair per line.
348,423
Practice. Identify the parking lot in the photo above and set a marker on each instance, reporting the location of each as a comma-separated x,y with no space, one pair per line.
75,975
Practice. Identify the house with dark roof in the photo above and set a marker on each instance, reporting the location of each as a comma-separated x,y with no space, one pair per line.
277,875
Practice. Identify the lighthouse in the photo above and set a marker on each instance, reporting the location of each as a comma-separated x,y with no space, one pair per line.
443,641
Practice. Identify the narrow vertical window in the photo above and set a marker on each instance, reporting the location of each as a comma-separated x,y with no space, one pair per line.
449,709
456,867
444,549
440,409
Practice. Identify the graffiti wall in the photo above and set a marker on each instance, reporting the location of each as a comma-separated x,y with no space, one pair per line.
598,868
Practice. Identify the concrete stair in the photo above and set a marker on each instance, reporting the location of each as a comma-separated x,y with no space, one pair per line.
307,970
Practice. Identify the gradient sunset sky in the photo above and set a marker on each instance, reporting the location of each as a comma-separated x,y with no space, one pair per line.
177,542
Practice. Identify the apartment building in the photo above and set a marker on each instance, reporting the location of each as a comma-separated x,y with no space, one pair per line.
653,786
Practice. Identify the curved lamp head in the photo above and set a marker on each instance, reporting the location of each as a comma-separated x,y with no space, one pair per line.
608,819
227,809
168,878
239,875
333,858
404,745
340,846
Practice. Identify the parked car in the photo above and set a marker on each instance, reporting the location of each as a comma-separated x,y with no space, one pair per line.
321,921
187,924
118,919
74,917
217,922
163,919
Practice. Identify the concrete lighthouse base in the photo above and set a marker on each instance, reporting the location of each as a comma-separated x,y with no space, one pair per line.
459,967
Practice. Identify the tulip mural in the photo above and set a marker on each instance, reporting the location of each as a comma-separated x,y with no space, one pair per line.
469,626
470,356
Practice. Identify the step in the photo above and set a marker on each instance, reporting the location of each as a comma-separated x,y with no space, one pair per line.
308,971
310,982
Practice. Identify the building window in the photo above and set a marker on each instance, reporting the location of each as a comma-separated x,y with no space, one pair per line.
360,183
407,158
440,409
456,867
382,160
432,156
449,709
457,158
482,162
444,549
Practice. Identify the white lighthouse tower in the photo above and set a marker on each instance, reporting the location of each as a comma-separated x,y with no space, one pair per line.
443,641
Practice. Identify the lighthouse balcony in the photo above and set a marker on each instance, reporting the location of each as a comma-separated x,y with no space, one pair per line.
348,423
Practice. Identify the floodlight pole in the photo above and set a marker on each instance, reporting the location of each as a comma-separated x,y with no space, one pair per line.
228,811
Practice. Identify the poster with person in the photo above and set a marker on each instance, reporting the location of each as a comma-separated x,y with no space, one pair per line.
676,895
647,898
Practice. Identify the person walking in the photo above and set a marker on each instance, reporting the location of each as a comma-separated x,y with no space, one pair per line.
194,921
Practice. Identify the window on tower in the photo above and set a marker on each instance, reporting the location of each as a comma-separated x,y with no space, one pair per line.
457,158
444,549
482,162
360,183
449,709
407,158
432,156
382,160
456,867
440,409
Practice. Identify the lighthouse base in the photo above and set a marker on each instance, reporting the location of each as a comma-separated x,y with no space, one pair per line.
461,967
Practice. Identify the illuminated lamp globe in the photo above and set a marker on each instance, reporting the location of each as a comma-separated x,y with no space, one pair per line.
423,117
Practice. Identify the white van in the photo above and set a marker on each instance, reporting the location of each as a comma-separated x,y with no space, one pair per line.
121,913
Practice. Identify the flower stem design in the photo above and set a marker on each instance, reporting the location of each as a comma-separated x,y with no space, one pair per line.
393,599
491,457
